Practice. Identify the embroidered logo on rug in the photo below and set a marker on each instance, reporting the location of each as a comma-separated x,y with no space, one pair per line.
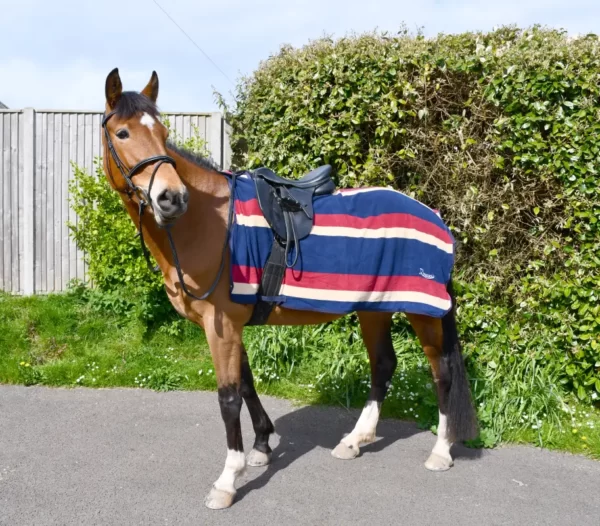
425,275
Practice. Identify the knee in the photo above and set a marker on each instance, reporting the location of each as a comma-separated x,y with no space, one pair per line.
230,400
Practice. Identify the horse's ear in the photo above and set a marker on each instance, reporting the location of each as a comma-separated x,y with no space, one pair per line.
151,89
113,88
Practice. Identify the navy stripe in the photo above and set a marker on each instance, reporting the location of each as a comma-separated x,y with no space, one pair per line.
347,255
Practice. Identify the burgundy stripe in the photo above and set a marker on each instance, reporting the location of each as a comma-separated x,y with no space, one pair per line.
248,208
350,282
392,220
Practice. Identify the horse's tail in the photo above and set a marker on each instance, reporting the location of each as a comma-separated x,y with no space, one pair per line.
462,419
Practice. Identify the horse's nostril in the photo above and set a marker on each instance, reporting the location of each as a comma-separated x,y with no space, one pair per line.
185,196
170,202
166,198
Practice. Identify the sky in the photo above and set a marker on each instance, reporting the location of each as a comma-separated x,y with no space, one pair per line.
56,55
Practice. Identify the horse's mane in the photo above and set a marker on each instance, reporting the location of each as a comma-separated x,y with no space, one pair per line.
132,103
195,158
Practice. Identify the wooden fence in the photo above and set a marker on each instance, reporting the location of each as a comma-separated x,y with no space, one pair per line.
37,255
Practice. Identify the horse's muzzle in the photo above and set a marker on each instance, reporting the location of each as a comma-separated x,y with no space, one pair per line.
170,204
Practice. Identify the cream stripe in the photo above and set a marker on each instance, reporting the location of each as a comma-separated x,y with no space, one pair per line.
370,233
361,191
382,233
369,296
349,295
251,221
244,288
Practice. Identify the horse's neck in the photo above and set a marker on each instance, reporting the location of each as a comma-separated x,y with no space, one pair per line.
199,234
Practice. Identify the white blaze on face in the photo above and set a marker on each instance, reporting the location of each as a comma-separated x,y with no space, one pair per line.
147,120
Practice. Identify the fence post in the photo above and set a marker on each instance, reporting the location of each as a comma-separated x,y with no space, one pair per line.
227,153
215,138
29,201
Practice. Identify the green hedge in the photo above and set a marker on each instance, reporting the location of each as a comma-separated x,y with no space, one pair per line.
500,131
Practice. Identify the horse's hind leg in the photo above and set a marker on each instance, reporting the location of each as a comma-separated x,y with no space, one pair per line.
260,455
376,332
457,419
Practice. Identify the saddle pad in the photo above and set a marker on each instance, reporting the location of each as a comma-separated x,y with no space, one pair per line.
371,249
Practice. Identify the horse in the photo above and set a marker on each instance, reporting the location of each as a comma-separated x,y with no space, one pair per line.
189,204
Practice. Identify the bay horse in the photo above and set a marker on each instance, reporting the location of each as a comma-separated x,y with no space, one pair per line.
188,203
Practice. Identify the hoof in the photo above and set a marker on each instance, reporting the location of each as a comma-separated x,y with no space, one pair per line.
218,499
258,459
344,452
437,463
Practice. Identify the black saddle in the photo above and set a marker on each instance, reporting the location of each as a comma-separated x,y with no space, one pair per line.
287,205
319,179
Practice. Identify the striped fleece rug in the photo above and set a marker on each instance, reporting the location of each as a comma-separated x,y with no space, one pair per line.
373,249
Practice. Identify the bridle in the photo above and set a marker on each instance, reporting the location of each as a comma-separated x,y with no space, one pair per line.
144,201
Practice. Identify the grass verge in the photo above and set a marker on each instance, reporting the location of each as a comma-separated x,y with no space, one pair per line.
61,340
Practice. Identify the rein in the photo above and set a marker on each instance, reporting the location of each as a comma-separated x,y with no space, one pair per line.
144,201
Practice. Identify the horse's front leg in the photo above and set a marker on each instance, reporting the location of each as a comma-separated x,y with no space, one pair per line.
225,341
260,455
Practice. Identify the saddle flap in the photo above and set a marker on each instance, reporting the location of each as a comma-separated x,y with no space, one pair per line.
270,208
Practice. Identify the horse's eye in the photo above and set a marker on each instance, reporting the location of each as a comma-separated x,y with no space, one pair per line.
123,134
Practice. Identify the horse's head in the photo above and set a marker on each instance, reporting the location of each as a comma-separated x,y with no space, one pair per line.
135,152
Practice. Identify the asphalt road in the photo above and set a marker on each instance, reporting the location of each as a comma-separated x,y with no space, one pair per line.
122,456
